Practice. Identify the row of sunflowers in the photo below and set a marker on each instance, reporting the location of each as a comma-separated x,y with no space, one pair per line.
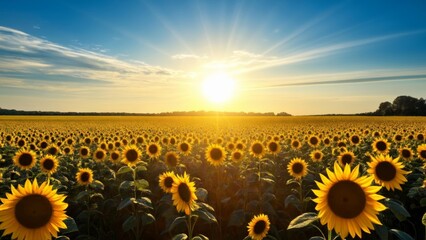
212,178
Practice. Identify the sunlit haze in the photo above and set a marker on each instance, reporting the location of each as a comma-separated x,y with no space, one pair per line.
300,57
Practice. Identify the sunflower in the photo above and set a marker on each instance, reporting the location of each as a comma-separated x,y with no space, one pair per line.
297,168
171,159
84,176
185,148
257,149
153,150
387,171
230,146
52,149
21,142
114,156
348,203
314,141
346,157
381,145
215,155
258,227
131,155
316,155
49,164
355,139
99,155
43,145
24,159
33,212
406,153
240,146
421,151
237,155
295,144
183,194
67,150
84,152
166,181
274,147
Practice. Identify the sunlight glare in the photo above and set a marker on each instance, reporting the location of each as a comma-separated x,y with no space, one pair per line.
218,87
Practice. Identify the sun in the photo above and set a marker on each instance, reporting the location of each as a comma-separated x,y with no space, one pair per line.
218,87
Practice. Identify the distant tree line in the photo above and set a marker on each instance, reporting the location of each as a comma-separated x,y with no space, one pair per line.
401,106
176,113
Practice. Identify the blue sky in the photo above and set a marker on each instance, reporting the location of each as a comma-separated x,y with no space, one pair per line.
302,57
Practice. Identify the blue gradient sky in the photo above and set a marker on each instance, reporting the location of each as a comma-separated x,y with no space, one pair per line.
302,57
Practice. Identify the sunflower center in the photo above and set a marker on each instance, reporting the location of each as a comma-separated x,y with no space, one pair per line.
259,227
25,159
346,159
153,149
53,151
297,168
346,199
48,164
385,171
184,192
273,146
398,138
423,153
84,151
67,150
257,148
237,155
100,155
313,141
33,211
355,139
216,154
114,156
381,146
317,155
406,153
85,177
295,144
168,182
131,155
172,160
184,147
43,145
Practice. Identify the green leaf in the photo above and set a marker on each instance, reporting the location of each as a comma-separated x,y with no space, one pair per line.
200,237
397,209
176,222
141,184
382,231
62,238
201,194
424,219
71,226
82,195
181,236
130,223
147,218
97,185
237,218
205,215
303,220
125,185
291,199
316,238
423,202
292,181
123,170
401,235
125,202
141,168
144,202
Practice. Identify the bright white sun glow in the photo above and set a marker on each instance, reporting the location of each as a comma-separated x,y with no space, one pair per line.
218,87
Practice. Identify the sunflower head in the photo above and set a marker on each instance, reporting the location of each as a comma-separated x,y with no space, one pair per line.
52,150
185,148
387,171
68,150
99,155
346,157
171,159
215,155
346,202
381,145
295,144
24,159
49,164
183,194
314,141
114,156
84,152
421,152
131,155
274,147
355,139
316,155
33,212
166,181
84,176
297,168
257,149
406,153
258,227
237,155
153,150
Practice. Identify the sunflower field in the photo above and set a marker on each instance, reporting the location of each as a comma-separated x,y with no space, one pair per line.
212,177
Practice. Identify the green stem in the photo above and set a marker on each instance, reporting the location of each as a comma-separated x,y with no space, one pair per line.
134,182
330,234
48,179
189,226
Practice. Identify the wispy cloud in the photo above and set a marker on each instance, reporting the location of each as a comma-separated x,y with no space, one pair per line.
26,54
188,56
